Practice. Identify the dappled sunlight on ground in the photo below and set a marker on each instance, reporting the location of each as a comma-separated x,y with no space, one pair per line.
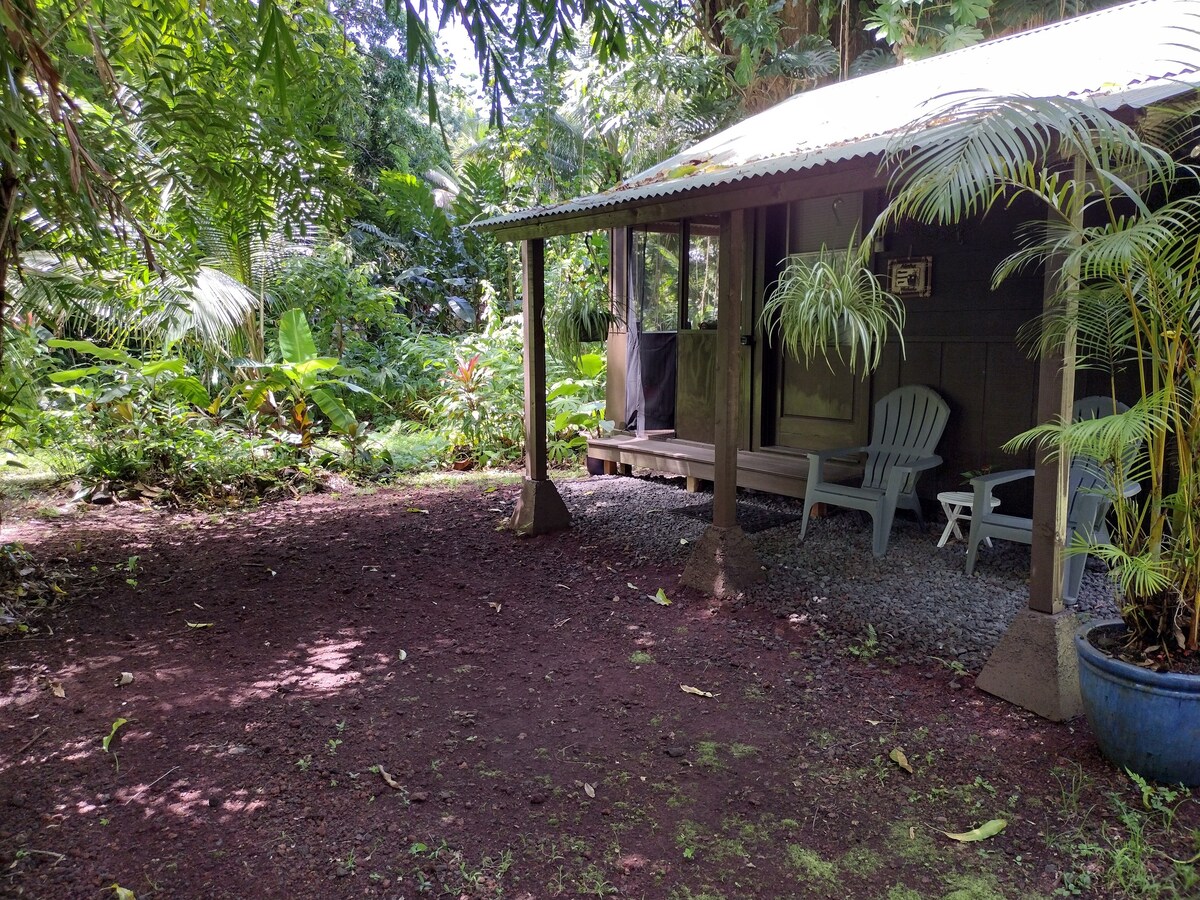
525,704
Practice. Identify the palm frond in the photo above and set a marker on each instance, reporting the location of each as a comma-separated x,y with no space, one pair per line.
963,157
1138,574
1097,320
65,296
1107,439
209,307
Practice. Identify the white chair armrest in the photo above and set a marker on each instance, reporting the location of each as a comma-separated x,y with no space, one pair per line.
983,485
818,458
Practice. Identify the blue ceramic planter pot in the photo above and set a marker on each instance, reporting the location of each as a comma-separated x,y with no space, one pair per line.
1144,721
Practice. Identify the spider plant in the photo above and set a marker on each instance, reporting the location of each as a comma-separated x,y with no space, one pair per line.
832,301
579,319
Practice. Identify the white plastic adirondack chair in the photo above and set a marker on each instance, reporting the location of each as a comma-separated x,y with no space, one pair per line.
906,429
1089,498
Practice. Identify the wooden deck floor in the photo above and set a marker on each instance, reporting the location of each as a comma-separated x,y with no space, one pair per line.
774,471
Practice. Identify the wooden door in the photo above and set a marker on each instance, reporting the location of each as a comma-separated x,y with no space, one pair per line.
819,404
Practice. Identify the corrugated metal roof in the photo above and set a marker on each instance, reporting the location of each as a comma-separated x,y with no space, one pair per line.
1125,56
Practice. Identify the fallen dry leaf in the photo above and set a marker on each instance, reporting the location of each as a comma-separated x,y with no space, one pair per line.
495,606
56,689
589,790
123,679
897,756
388,779
982,833
198,624
688,689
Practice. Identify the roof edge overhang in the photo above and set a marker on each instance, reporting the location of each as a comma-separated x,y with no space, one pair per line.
777,180
748,191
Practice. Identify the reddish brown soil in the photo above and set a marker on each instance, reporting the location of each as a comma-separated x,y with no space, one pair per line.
495,680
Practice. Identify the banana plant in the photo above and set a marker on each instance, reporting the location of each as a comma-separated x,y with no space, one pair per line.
305,379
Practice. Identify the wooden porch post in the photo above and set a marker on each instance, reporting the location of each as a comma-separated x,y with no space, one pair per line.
724,562
539,509
618,339
1034,664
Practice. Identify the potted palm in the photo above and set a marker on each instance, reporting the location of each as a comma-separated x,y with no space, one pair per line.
1123,232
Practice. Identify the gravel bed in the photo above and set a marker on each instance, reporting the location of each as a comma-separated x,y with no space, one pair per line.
918,599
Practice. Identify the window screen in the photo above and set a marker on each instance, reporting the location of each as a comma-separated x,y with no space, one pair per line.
656,278
703,244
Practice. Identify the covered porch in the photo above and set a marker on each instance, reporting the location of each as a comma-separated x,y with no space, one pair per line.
813,173
785,474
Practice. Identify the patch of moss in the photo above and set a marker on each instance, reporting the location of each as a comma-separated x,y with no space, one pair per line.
706,754
809,864
751,832
683,892
741,751
861,861
688,835
973,887
900,892
641,658
913,843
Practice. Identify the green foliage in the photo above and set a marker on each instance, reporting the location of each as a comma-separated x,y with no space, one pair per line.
412,447
833,303
1128,284
754,28
305,378
916,30
580,311
421,253
128,118
575,409
338,297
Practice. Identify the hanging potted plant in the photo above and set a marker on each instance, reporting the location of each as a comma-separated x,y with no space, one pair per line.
580,318
830,303
1127,295
580,311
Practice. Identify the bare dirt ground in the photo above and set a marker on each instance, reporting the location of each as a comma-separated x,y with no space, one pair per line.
383,695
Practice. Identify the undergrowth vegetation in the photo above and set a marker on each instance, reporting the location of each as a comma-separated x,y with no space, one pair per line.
174,428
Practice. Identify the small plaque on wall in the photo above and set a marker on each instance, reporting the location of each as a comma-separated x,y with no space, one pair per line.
911,276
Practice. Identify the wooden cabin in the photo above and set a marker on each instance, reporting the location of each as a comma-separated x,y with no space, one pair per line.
960,339
701,387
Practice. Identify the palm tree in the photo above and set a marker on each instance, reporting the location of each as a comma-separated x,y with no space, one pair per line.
1127,295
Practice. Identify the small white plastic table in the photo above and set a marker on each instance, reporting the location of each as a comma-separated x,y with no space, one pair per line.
957,506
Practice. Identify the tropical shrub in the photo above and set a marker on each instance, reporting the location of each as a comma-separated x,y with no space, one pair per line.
575,409
1123,236
150,428
285,392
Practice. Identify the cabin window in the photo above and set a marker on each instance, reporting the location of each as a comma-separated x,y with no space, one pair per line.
656,277
676,291
703,241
